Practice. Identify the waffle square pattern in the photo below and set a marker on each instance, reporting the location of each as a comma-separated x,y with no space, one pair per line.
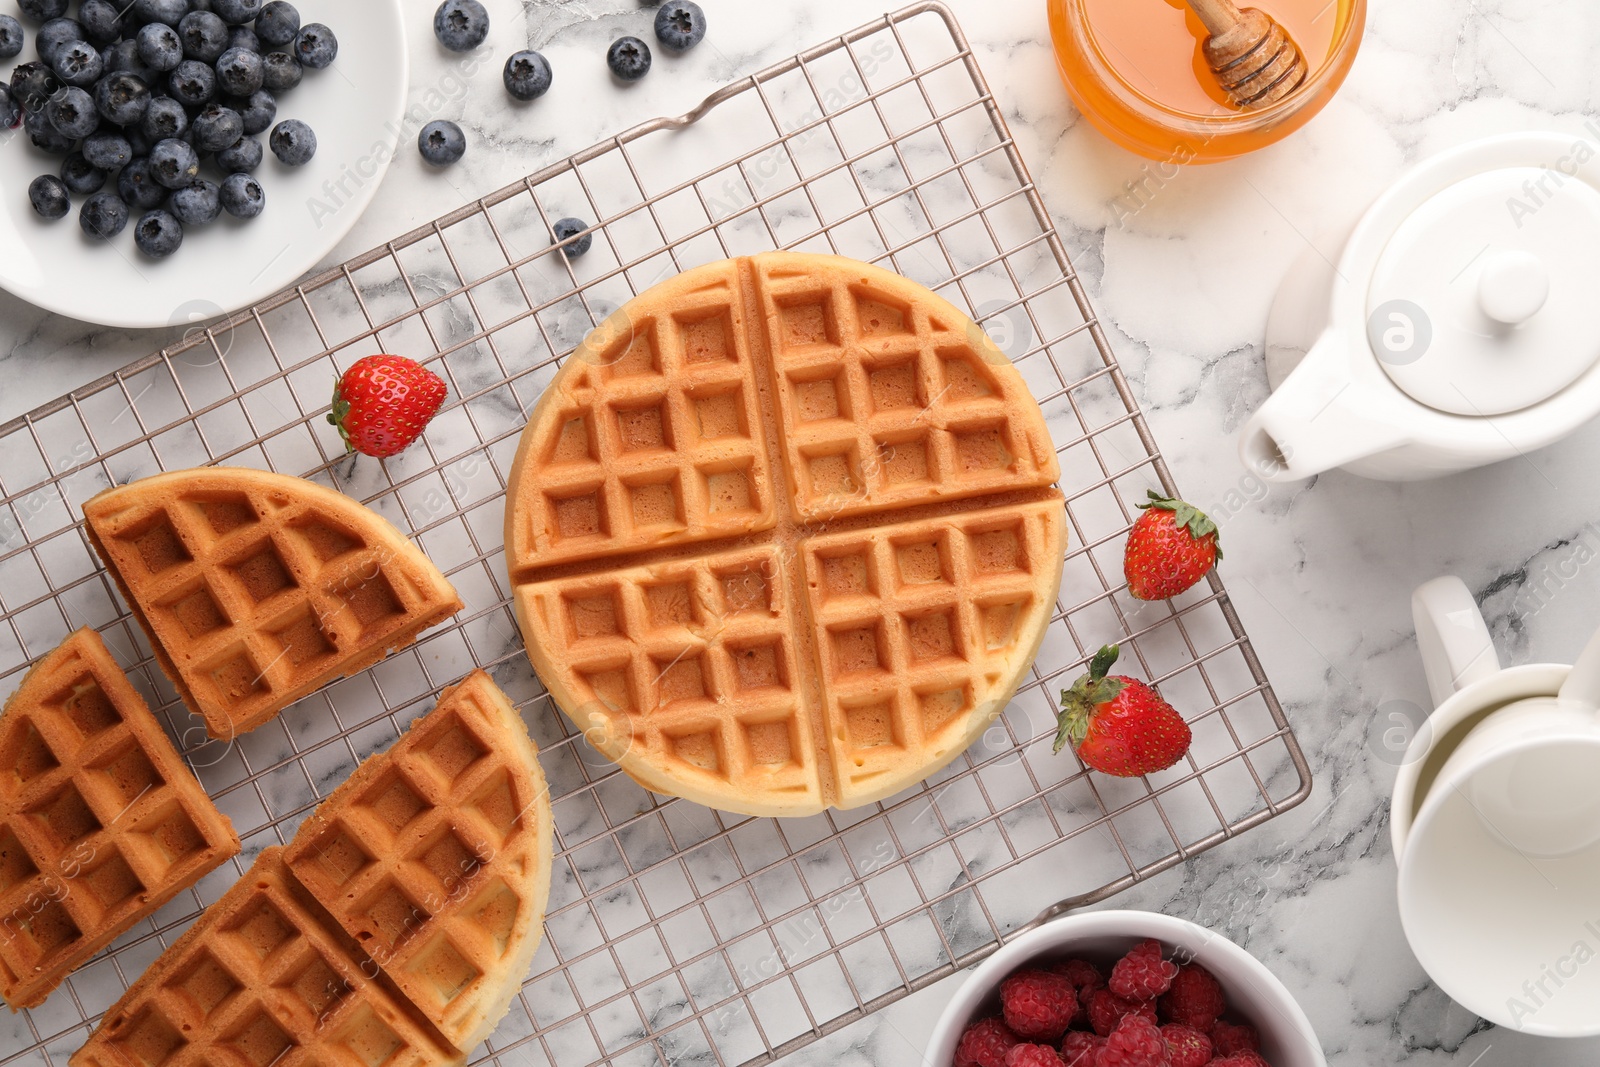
101,821
784,534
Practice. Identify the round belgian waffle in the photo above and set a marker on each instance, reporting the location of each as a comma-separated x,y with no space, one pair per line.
784,534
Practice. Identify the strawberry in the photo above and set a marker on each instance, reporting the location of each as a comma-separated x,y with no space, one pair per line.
1118,725
1171,547
382,403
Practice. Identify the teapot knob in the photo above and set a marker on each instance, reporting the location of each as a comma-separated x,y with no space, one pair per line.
1513,287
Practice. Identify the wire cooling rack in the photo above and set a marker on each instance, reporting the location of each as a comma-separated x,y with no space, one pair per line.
675,934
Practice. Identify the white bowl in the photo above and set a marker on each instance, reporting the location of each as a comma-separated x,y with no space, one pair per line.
1102,937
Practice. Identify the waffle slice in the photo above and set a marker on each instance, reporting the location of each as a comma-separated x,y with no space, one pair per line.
435,856
262,979
256,589
101,821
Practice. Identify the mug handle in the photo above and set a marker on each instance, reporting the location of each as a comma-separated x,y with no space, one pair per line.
1452,637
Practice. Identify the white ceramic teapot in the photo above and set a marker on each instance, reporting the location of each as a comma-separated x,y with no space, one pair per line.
1458,327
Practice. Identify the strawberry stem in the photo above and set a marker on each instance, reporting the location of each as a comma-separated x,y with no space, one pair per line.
1078,704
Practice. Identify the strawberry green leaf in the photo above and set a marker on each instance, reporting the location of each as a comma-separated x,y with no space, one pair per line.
1187,516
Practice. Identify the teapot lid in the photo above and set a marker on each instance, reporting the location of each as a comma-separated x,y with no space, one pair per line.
1484,299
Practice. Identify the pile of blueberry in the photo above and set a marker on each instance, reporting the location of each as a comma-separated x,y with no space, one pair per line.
140,94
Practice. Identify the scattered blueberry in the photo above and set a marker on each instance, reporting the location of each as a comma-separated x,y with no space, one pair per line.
441,143
53,34
78,63
107,150
45,137
10,110
629,58
215,127
42,10
138,187
101,21
293,142
124,57
236,12
160,46
71,111
32,84
193,83
281,72
48,195
204,36
278,23
243,155
239,72
680,24
195,204
316,46
567,230
461,25
11,37
103,216
174,163
170,12
80,176
164,118
244,37
242,196
258,110
122,99
158,234
527,75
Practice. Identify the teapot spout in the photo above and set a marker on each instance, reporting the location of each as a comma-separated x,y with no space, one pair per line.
1313,421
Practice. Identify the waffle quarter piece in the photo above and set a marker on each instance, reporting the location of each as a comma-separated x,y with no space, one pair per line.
256,589
262,979
880,601
435,856
101,821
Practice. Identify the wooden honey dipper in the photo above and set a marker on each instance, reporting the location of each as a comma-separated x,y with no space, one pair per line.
1254,59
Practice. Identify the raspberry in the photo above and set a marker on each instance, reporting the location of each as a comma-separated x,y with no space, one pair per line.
1032,1056
1081,973
1082,1049
1142,974
1228,1038
1195,998
1106,1010
1186,1046
1136,1042
1240,1059
1038,1005
985,1044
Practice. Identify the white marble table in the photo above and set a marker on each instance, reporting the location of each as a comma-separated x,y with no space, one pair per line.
1319,572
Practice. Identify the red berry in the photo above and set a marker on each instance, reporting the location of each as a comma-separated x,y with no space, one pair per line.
1228,1038
1081,1049
1038,1005
1142,974
1119,725
1032,1056
1186,1046
383,403
1081,973
1106,1010
1170,548
1240,1059
985,1044
1136,1042
1195,998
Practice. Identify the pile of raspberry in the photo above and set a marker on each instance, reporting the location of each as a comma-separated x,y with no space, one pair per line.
1148,1012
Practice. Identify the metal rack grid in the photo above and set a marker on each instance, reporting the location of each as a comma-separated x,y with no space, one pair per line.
675,934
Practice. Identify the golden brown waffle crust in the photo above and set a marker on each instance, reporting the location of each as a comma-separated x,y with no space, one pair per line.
256,588
804,389
81,756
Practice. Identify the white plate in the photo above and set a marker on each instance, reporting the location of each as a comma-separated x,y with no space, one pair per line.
355,107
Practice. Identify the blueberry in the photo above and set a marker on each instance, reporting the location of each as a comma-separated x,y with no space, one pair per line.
10,110
193,83
164,118
160,46
107,150
32,84
195,204
158,234
281,72
101,21
71,111
11,37
236,12
123,58
53,34
45,137
42,10
215,127
49,197
78,63
239,73
242,196
527,75
170,12
204,36
566,231
243,155
316,46
122,99
139,141
173,163
441,143
293,142
278,23
80,176
680,24
138,187
244,37
257,110
103,216
629,58
461,25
